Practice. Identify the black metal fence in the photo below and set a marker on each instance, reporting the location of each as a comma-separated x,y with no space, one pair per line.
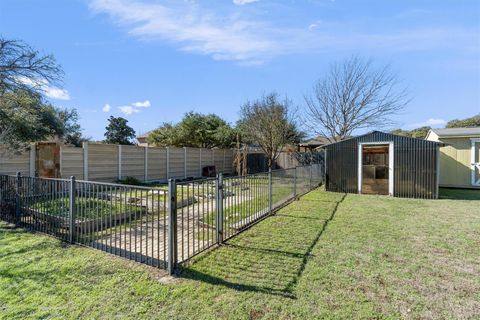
160,226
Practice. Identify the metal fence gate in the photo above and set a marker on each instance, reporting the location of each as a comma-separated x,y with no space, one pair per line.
160,226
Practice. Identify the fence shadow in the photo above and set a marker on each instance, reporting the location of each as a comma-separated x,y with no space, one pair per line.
261,260
459,194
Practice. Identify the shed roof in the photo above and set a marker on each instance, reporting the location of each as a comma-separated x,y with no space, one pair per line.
457,132
375,132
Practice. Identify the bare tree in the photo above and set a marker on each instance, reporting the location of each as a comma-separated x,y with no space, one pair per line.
270,124
353,96
24,68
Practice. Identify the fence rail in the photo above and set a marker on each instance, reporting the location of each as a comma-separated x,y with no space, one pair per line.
160,226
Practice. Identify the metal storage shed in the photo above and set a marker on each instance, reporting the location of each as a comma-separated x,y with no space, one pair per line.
383,163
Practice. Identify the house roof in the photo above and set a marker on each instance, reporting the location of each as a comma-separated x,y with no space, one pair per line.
457,132
144,135
315,142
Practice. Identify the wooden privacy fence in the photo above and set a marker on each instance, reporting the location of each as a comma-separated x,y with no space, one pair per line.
106,162
257,160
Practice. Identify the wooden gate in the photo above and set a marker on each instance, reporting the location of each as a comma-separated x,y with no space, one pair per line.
47,162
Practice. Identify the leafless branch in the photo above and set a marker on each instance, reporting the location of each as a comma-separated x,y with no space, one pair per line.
354,95
23,68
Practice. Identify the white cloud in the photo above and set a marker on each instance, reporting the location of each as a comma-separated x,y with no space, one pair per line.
128,110
314,25
192,28
144,104
430,123
132,108
57,93
243,2
107,108
46,88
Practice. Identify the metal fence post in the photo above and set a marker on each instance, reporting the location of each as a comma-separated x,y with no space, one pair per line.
18,210
270,188
172,226
295,182
219,199
310,183
71,209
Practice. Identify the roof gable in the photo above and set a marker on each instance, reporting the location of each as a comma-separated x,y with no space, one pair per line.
381,136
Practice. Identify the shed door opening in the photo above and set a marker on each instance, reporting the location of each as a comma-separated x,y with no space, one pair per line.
375,170
475,162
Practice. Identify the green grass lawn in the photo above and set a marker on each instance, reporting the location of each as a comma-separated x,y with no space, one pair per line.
325,256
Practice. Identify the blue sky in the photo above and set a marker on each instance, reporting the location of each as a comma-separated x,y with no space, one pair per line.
152,61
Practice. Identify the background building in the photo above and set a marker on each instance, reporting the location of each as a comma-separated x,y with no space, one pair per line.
460,157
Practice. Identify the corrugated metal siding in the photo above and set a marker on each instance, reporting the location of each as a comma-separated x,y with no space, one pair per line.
342,167
415,165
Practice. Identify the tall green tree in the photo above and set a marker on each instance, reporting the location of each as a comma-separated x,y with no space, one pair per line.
25,118
72,132
419,133
119,132
465,123
195,130
164,136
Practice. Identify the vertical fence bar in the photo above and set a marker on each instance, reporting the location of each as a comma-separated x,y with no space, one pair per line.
71,210
17,197
294,182
172,226
270,189
219,199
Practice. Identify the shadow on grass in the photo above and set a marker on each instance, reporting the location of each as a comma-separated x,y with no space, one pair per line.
264,261
459,194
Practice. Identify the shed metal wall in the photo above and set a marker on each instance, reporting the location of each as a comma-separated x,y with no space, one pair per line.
415,165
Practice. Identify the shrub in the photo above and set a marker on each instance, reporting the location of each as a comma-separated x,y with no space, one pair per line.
131,181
